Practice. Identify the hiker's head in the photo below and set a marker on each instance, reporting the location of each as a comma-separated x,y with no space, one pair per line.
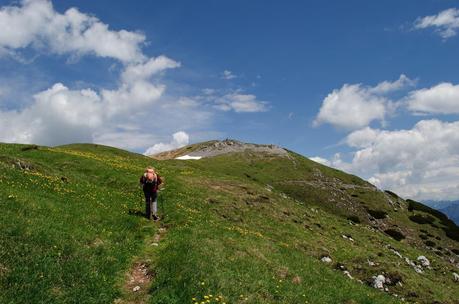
150,169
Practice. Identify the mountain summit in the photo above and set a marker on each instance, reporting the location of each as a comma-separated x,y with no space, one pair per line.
219,147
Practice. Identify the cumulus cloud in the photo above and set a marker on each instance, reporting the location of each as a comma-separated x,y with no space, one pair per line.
351,107
36,24
179,139
445,23
228,75
354,106
440,99
56,114
61,115
421,163
239,102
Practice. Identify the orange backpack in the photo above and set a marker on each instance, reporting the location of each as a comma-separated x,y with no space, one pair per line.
150,177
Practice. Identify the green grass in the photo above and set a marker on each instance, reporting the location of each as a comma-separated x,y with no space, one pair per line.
70,241
244,228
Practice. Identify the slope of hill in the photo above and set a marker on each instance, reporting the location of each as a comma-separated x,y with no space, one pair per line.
245,226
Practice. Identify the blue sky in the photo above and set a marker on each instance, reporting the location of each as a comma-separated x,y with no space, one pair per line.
303,75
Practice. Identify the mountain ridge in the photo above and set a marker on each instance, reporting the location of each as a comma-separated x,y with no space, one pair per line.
450,208
218,147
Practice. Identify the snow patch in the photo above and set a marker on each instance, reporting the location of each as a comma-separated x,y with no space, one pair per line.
186,157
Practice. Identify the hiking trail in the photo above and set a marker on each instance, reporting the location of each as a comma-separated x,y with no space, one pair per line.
136,288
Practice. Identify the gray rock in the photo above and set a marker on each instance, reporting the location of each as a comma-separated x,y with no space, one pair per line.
348,274
137,288
409,262
424,261
378,281
396,253
326,259
348,237
455,277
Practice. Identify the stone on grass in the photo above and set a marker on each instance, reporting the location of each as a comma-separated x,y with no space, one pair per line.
455,277
326,259
137,288
348,274
424,261
378,281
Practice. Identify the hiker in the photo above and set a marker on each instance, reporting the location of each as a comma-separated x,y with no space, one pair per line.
150,182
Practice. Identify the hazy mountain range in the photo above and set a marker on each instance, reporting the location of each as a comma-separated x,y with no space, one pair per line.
450,208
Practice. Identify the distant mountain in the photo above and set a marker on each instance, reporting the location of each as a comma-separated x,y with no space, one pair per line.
452,211
450,208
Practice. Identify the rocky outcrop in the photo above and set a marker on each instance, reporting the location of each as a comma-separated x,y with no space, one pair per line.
234,146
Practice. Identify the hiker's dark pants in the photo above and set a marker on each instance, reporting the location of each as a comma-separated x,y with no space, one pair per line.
151,198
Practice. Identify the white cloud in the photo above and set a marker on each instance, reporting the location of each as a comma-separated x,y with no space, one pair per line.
36,24
179,139
440,99
133,139
421,163
240,103
321,160
362,138
446,23
386,86
208,91
143,71
228,75
355,106
351,107
56,115
61,115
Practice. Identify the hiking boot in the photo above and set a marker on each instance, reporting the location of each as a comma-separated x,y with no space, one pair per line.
155,218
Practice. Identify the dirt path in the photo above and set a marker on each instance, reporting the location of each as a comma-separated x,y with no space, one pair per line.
139,278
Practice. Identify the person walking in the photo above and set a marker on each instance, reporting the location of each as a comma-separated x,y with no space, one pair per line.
150,182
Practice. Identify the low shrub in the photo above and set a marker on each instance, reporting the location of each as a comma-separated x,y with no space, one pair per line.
377,214
395,234
430,243
422,219
354,219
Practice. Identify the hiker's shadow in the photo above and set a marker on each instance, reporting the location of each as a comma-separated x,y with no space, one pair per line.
136,212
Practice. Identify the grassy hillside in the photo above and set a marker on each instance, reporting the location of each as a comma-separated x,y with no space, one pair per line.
237,228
